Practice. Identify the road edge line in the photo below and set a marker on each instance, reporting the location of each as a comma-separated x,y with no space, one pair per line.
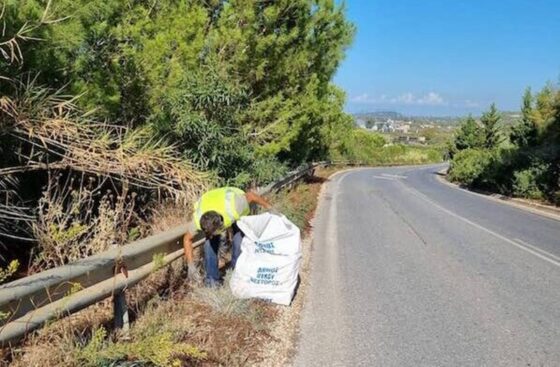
482,228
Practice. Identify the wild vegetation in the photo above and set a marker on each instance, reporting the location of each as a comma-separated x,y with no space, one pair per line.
181,326
176,323
520,160
110,110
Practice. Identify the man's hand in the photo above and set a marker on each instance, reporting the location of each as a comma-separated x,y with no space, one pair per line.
257,199
192,271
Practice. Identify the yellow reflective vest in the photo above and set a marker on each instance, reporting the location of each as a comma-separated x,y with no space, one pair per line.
229,202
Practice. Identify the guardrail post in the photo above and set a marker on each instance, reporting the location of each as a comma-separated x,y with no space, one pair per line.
120,310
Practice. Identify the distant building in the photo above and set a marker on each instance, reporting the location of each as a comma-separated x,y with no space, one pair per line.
403,129
385,127
407,139
360,122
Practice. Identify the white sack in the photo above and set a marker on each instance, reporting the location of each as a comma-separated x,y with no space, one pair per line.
270,258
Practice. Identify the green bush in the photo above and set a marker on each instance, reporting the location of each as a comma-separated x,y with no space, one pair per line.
528,182
358,145
527,164
296,204
469,165
261,172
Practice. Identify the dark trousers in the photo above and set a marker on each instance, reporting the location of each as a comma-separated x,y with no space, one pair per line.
211,248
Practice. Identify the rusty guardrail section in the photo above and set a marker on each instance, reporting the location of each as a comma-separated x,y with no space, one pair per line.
28,303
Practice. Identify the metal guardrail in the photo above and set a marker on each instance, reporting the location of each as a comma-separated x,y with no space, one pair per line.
31,302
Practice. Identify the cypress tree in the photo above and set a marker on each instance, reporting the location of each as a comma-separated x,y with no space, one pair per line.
490,127
469,135
524,133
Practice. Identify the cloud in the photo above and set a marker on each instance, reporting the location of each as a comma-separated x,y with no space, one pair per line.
362,98
431,99
408,98
471,104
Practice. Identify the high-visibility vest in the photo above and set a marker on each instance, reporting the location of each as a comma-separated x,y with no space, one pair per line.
223,202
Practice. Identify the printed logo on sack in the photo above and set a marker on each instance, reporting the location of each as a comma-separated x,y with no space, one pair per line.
264,247
265,276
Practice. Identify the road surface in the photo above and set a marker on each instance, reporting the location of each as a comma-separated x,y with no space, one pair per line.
408,271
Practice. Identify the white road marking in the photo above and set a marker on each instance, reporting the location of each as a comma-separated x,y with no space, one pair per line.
545,253
384,178
523,246
393,176
331,252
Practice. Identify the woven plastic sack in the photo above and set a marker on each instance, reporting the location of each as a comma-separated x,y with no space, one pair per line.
270,258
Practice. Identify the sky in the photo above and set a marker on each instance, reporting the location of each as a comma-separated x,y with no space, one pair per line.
448,57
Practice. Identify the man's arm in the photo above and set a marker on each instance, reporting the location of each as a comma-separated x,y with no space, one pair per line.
188,246
257,199
192,271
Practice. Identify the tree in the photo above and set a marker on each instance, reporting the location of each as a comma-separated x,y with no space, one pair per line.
490,127
469,135
544,106
524,134
133,63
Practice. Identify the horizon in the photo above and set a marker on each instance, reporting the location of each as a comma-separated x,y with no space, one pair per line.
446,59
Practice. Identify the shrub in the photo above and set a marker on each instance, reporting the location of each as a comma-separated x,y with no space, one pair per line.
529,182
370,148
296,204
9,270
469,165
157,350
262,171
359,145
224,303
5,274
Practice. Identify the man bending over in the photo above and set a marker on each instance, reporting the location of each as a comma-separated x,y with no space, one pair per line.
215,213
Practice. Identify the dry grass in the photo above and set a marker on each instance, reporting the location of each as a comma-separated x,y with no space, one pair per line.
167,216
100,181
53,345
231,339
209,325
51,123
182,324
76,219
61,337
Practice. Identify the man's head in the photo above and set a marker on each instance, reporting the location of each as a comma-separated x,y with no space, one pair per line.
210,223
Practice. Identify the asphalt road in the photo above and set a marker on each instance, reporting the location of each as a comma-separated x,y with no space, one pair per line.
408,271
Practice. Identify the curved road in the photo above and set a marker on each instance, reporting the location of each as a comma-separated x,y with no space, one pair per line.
408,271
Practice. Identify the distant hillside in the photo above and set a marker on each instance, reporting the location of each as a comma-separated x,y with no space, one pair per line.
508,118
